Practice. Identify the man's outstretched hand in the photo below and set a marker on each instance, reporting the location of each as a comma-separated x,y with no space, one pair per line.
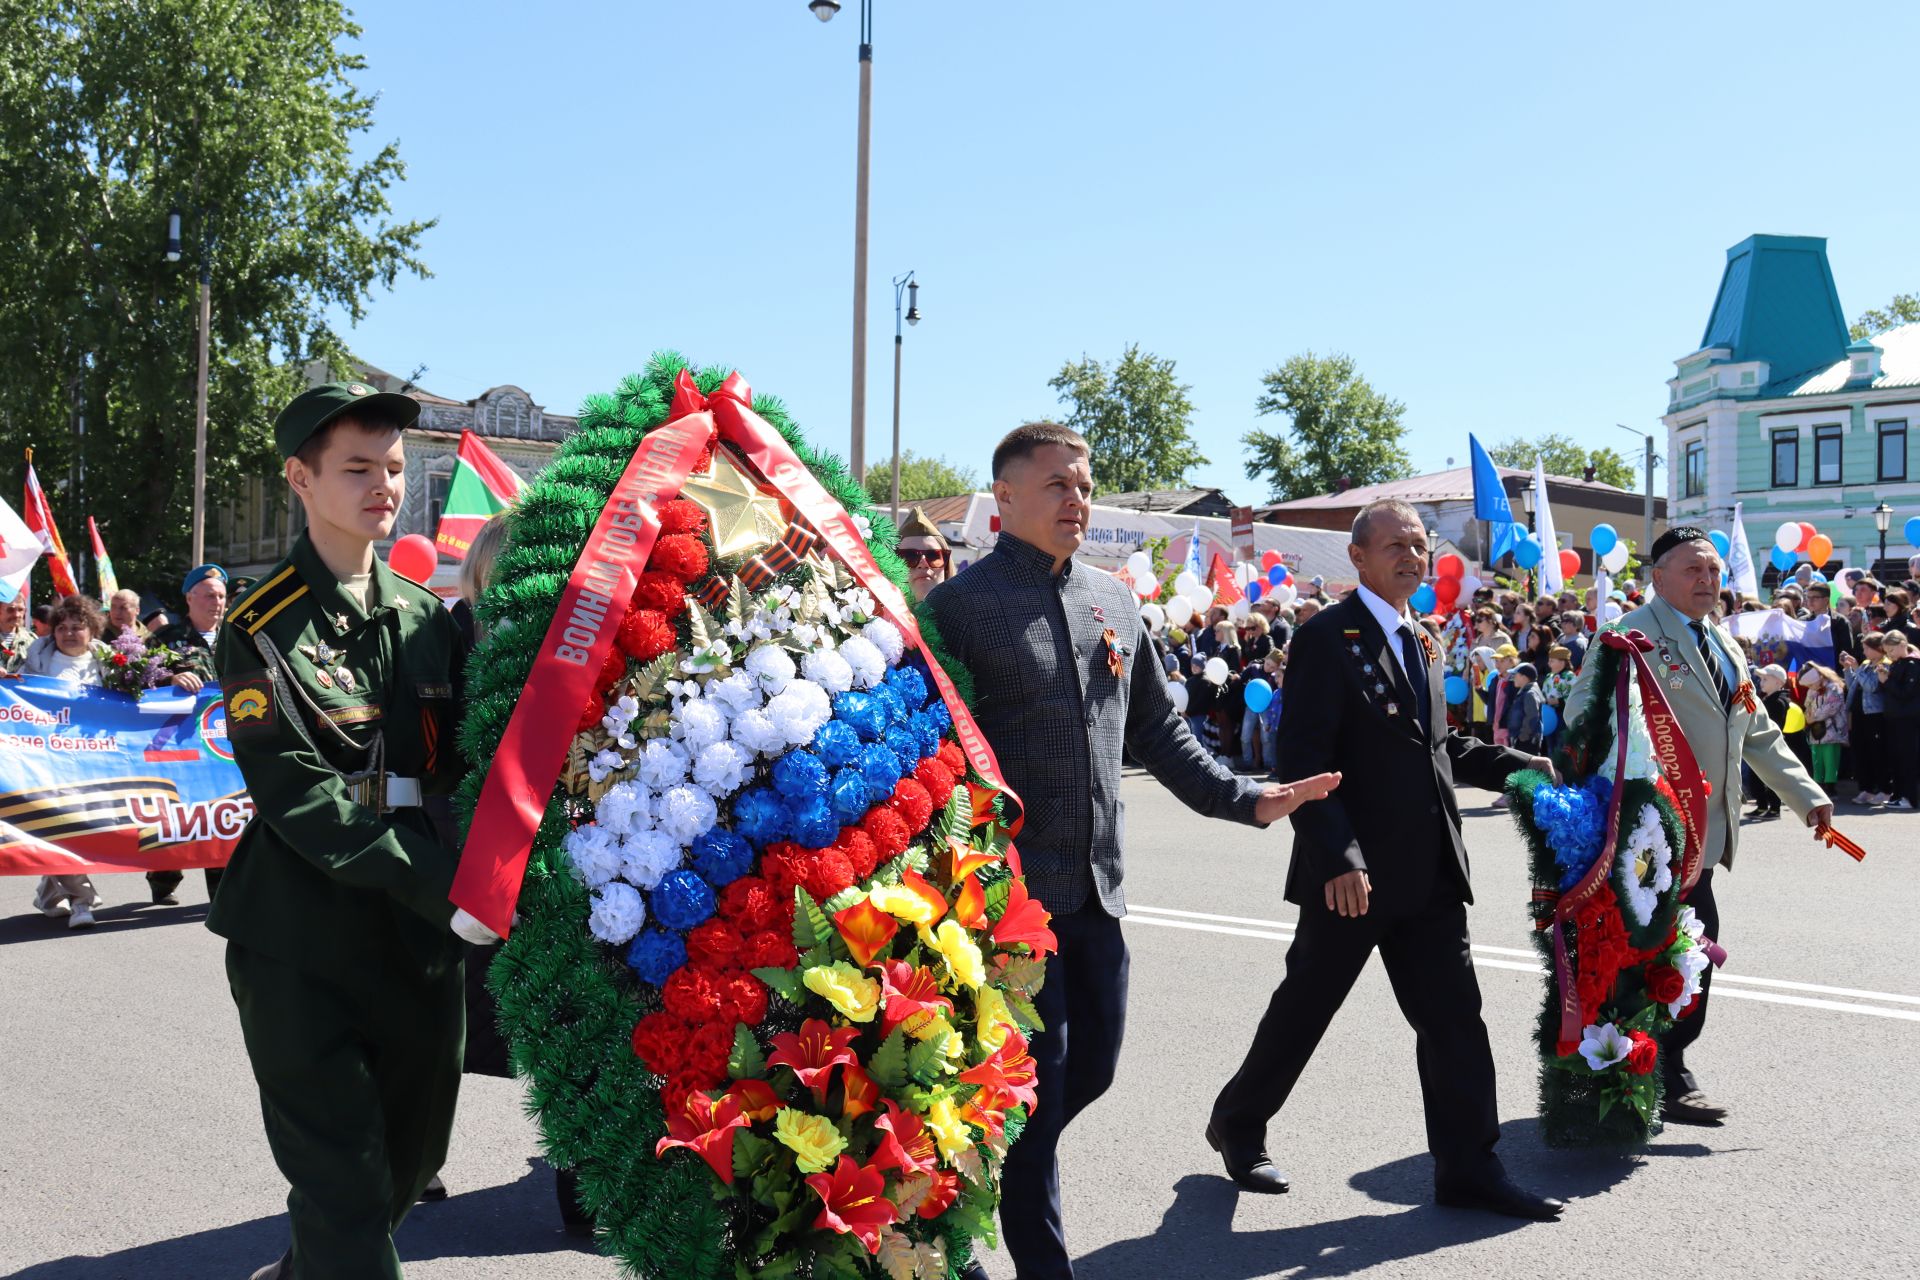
1278,799
1544,765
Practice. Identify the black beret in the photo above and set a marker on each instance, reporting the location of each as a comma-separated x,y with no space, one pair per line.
1674,537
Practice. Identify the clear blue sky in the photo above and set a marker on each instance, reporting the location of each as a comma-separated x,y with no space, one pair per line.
1514,221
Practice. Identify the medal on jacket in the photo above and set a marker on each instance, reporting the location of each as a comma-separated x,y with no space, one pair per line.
1116,660
345,677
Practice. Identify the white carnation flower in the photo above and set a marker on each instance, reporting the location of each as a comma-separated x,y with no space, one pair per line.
685,812
618,913
808,636
625,808
593,854
645,856
755,731
828,670
864,525
663,764
772,666
738,692
868,663
722,768
886,637
799,710
701,723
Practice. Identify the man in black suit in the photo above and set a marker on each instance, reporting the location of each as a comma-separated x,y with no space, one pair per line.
1380,865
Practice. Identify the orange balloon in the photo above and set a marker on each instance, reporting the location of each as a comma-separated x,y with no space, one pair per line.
1819,549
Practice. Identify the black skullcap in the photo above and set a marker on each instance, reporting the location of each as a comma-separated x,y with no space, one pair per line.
1674,537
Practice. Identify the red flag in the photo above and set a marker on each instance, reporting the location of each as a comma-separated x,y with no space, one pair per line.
39,518
1220,577
482,486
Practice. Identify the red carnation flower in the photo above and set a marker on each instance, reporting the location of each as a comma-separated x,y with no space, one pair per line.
682,515
674,1094
784,865
704,462
707,1052
745,998
770,949
748,905
592,713
662,592
1665,983
828,872
658,1041
954,758
937,778
692,994
613,670
644,635
714,944
888,833
912,802
681,555
860,851
1643,1055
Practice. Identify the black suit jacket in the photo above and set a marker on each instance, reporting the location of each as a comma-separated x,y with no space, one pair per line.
1394,816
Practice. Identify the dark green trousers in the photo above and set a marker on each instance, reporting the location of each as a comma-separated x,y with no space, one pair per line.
357,1085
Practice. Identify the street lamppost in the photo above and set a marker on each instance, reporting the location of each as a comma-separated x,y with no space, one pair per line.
824,10
1882,520
199,537
1646,533
911,287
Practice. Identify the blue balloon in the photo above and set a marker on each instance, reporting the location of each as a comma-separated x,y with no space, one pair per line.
1604,539
1527,554
1259,695
1721,543
1819,576
1424,600
1286,574
1457,689
1784,560
1277,574
1913,532
1254,592
1549,719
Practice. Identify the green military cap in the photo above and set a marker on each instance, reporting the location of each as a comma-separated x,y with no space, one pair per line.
315,407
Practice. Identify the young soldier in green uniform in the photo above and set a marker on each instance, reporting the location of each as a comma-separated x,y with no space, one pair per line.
342,684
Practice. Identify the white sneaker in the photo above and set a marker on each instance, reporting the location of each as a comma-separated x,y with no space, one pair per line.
1905,803
82,917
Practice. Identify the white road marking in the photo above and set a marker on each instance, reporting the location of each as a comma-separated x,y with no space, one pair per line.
1283,930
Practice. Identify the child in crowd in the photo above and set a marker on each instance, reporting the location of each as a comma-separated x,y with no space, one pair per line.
1505,658
1825,701
1772,680
1275,668
1555,689
1521,718
1479,673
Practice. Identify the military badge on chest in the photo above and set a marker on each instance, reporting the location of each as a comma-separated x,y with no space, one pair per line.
329,666
1376,682
1676,670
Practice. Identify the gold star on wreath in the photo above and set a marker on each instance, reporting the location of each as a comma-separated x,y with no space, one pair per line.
744,519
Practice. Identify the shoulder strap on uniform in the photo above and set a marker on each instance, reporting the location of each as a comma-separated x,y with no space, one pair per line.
259,606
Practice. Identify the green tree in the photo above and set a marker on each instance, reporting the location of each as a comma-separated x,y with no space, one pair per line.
1136,418
1904,309
243,116
1343,433
1562,456
920,478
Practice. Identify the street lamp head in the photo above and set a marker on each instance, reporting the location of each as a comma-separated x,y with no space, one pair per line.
824,9
173,235
913,302
1883,517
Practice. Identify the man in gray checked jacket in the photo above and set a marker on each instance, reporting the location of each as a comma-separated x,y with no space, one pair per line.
1064,676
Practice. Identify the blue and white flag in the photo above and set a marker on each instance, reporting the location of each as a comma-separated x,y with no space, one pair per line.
1490,503
1783,640
1194,562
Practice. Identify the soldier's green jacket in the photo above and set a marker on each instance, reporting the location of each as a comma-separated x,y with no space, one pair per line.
182,639
320,880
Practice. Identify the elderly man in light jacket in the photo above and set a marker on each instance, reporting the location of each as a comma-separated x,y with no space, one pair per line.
1705,672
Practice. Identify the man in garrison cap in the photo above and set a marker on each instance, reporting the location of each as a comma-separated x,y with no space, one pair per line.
1711,693
342,682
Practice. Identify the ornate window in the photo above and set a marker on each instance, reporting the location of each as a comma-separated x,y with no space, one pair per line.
1696,469
510,416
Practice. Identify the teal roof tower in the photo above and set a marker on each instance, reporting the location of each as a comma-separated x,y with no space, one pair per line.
1777,303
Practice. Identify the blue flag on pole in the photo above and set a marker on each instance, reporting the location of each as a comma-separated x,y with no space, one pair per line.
1490,503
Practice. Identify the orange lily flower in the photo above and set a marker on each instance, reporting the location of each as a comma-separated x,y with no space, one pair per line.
706,1128
981,797
905,1143
979,1111
970,908
1005,1078
866,929
1025,920
927,893
946,1189
854,1202
910,996
756,1099
963,858
862,1093
813,1053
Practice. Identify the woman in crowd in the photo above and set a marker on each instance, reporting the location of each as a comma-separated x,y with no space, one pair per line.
1866,724
1255,644
928,558
71,651
1899,680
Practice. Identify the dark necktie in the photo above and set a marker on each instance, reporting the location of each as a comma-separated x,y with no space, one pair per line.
1415,664
1712,663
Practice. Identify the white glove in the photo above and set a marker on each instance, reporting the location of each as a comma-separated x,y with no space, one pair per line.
472,930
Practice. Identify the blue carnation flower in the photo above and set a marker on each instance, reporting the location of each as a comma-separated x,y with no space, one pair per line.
905,745
761,816
655,954
814,823
881,769
925,733
837,743
798,775
847,794
1573,821
721,857
862,712
941,717
894,710
909,684
682,900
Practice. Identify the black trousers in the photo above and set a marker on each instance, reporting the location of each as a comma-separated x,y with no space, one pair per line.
1084,1007
1903,754
1673,1047
1868,733
163,883
1429,960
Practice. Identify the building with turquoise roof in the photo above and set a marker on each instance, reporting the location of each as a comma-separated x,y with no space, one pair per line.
1782,413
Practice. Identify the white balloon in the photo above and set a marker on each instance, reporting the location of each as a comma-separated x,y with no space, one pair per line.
1616,559
1243,573
1140,566
1216,671
1787,537
1611,612
1146,587
1239,609
1188,585
1153,615
1177,694
1282,595
1179,610
1468,585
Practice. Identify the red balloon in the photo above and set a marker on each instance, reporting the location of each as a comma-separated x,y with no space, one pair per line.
1806,535
1270,559
1446,591
414,557
1450,566
1569,563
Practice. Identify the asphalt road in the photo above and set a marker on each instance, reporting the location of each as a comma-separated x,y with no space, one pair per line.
131,1146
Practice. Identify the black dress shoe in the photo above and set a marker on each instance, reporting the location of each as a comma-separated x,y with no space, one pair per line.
1498,1195
434,1192
279,1270
1691,1107
1247,1163
165,900
975,1272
